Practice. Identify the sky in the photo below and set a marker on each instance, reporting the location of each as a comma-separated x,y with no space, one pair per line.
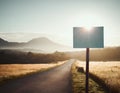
22,20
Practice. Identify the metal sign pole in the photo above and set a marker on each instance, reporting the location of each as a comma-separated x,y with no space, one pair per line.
83,39
87,70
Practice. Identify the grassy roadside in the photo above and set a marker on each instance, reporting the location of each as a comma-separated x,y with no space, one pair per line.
9,72
106,74
78,84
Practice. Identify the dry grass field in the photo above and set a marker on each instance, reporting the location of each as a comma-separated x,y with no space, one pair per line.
9,71
109,72
78,79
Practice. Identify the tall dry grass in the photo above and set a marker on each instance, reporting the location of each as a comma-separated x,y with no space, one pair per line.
8,71
109,72
78,82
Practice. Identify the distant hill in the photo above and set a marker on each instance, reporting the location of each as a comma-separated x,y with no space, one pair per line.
2,41
6,44
42,44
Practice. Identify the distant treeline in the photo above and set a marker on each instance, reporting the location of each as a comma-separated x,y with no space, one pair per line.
105,54
17,57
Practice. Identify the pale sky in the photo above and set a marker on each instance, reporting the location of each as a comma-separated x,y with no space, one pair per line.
22,20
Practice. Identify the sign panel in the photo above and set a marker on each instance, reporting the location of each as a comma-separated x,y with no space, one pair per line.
84,38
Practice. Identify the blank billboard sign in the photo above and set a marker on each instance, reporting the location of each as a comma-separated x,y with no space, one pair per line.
84,38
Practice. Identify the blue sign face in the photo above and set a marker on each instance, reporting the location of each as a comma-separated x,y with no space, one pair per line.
82,38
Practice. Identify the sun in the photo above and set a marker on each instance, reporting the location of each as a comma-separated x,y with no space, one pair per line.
88,28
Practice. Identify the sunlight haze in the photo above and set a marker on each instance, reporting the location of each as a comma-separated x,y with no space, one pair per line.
22,20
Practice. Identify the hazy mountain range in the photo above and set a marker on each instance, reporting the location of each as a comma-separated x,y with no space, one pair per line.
41,44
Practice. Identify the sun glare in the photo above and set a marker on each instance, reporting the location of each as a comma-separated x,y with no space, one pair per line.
88,28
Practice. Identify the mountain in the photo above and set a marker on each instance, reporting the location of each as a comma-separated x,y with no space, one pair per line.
5,44
42,44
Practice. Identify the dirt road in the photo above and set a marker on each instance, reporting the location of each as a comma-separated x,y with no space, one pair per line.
56,80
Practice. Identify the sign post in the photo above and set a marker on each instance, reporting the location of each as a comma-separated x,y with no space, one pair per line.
84,38
87,71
